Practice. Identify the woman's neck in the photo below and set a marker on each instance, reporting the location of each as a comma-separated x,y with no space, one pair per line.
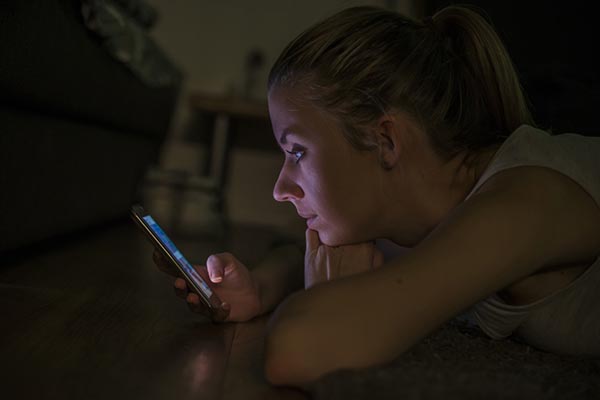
445,186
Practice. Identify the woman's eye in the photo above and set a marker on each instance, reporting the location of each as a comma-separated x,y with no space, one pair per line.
296,153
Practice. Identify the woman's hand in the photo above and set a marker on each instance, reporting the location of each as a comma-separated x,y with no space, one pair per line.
231,281
324,263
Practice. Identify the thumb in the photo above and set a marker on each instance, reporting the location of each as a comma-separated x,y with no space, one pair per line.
312,241
215,265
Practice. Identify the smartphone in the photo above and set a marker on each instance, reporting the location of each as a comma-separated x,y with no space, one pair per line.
167,248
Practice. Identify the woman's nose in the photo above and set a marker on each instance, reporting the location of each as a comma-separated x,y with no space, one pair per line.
286,189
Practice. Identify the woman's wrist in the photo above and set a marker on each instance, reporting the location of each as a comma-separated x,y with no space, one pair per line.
260,293
280,273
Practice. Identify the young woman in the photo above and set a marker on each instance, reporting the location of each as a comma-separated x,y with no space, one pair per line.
417,132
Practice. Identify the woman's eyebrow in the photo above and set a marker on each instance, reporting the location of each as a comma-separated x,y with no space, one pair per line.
287,131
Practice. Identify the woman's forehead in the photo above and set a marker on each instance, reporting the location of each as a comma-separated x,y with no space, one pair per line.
285,101
292,114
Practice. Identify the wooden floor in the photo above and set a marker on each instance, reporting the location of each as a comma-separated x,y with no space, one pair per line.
94,319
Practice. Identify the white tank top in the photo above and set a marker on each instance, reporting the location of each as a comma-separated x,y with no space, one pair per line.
568,320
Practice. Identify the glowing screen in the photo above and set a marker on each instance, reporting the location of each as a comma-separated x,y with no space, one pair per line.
191,272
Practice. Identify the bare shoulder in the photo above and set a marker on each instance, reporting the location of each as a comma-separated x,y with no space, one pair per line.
570,236
570,217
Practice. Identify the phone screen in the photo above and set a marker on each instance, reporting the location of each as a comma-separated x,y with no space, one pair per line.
177,255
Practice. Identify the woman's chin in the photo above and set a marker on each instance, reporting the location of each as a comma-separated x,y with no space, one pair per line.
335,237
331,239
325,238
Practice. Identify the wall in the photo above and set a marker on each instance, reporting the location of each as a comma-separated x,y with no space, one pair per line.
209,40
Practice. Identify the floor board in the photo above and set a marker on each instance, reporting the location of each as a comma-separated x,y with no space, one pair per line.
95,319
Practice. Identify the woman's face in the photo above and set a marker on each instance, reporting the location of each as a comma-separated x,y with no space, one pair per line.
331,184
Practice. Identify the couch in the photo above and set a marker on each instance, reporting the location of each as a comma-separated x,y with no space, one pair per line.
78,128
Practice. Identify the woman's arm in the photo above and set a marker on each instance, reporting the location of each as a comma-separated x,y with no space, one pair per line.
503,234
278,275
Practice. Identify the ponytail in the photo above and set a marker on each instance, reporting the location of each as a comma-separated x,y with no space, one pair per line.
486,82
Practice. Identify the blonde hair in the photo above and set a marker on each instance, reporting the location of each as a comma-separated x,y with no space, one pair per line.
450,72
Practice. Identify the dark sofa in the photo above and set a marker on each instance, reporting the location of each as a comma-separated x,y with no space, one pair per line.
77,128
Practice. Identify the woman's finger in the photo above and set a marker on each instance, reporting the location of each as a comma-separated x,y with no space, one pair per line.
312,241
164,265
215,265
180,288
195,304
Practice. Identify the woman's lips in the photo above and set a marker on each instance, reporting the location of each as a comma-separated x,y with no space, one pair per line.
309,218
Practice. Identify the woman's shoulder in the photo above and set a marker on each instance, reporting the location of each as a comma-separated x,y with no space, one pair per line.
570,237
542,157
571,214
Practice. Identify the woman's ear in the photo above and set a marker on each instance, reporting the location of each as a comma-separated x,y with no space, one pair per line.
387,135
